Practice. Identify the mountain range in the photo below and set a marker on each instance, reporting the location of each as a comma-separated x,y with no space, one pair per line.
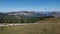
34,14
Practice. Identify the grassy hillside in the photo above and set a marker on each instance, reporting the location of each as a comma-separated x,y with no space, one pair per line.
50,20
47,26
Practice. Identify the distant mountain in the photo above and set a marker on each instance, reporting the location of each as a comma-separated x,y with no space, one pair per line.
56,14
34,14
26,14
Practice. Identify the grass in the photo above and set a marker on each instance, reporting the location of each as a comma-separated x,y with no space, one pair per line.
47,26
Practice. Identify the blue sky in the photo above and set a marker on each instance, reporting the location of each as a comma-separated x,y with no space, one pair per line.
29,5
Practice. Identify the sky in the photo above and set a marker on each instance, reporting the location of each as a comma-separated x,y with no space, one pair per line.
29,5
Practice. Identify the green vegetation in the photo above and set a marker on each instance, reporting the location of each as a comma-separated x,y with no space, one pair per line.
14,19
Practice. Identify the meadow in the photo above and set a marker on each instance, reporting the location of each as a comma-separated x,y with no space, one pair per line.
46,26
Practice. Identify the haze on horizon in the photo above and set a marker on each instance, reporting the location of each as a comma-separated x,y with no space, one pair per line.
29,5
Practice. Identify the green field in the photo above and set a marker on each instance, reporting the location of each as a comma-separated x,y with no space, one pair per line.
47,26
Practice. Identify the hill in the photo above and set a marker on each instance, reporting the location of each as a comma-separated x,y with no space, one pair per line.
26,16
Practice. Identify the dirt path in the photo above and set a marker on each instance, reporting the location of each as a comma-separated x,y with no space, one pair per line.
17,24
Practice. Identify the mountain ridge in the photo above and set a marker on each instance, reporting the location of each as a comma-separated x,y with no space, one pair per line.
34,14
